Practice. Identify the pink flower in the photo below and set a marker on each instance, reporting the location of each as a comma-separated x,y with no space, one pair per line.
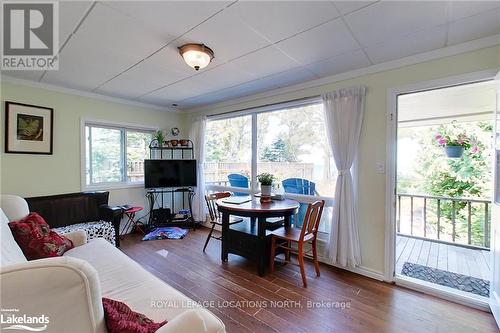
474,150
438,136
442,141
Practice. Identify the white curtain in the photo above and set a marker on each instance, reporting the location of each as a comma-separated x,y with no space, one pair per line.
344,110
197,135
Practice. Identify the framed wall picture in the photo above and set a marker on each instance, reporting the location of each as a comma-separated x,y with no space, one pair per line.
28,129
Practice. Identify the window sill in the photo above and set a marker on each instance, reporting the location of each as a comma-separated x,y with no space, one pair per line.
112,186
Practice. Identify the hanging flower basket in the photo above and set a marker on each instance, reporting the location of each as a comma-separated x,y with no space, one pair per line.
455,142
454,151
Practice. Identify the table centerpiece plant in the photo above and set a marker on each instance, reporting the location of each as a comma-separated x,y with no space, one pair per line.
266,183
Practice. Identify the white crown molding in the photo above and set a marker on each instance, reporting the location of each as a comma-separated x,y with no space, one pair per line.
448,51
71,91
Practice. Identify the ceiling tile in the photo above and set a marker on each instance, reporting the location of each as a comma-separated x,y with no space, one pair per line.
277,20
473,27
227,35
106,44
339,64
106,28
87,68
143,78
178,91
70,14
223,76
77,76
283,79
267,61
462,9
346,7
389,19
419,42
330,39
173,17
156,100
215,97
160,69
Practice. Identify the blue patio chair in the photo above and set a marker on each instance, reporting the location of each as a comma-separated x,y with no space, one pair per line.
299,186
237,180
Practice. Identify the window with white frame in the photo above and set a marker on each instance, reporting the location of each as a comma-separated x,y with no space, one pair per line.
288,140
115,155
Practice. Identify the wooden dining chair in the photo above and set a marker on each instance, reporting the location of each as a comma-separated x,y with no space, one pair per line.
215,216
283,238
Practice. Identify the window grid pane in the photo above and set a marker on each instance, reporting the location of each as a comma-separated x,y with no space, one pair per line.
105,156
292,145
229,152
137,151
115,155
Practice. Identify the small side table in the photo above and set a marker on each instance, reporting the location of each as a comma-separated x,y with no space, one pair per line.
131,221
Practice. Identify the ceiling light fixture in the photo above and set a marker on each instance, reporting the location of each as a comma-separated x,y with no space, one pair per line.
197,56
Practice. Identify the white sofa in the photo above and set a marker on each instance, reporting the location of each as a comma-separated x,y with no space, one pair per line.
68,289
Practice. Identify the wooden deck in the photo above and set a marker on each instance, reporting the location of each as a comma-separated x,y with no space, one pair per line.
452,258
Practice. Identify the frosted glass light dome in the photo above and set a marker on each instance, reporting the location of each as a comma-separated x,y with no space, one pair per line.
197,56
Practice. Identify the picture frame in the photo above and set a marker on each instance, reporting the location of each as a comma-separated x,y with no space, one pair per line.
29,129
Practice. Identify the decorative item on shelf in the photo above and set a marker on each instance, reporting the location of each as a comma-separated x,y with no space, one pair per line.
184,142
174,143
266,183
455,144
197,56
28,129
160,138
175,131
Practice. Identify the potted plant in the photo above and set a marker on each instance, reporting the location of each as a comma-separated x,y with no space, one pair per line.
455,144
266,183
159,137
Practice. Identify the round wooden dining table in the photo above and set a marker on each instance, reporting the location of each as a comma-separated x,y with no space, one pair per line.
248,241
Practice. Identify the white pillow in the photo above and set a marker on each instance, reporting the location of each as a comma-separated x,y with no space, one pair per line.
10,252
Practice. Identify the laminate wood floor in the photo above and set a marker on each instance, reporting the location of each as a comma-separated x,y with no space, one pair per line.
338,301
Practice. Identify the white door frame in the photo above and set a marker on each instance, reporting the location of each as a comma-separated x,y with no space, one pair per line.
495,215
391,151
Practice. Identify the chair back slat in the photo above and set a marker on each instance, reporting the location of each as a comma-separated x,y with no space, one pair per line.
211,199
312,219
299,186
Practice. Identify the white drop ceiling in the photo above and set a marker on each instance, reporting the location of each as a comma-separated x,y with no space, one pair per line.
128,49
468,102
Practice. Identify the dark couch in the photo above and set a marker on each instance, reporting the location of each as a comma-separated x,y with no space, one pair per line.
65,209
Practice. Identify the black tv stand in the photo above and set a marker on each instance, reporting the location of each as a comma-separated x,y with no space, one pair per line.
163,215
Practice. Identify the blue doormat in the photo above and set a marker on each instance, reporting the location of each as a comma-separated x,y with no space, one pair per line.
166,233
449,279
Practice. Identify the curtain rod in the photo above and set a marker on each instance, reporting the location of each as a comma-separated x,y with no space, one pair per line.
264,106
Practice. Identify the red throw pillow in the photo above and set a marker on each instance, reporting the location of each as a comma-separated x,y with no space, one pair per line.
36,239
121,319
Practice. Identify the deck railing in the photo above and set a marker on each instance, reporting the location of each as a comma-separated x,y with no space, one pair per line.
445,219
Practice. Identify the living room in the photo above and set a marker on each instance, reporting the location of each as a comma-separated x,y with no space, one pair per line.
212,166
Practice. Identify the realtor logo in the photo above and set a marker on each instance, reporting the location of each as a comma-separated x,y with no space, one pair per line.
12,319
30,35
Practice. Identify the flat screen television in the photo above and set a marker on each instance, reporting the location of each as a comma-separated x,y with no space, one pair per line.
169,173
